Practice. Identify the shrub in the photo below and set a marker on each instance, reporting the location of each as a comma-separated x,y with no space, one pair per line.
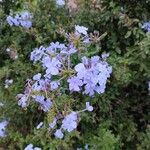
119,119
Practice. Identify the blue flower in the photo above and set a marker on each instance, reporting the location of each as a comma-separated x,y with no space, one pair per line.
81,30
53,65
60,2
30,147
86,147
91,74
81,70
37,77
69,50
70,122
89,107
86,40
23,20
3,125
23,101
12,21
105,55
54,85
74,83
26,24
58,134
146,26
37,54
45,104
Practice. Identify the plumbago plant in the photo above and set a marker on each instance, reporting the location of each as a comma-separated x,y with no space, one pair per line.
65,72
69,73
61,71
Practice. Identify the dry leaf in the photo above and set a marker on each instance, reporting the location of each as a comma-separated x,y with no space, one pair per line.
72,5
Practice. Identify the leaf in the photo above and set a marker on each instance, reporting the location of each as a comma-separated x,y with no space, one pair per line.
128,34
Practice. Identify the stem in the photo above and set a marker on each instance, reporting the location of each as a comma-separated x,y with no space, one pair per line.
69,62
82,111
46,94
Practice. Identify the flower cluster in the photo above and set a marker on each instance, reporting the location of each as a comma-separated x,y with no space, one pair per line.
91,74
3,125
69,122
53,59
146,26
23,19
55,52
88,77
45,103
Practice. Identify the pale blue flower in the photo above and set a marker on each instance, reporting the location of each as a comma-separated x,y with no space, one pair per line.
86,147
91,75
30,147
89,88
26,24
74,84
81,29
24,20
23,101
53,65
69,50
10,20
54,85
86,40
105,55
37,54
81,70
26,15
146,26
37,148
60,2
3,125
86,60
46,104
37,77
36,86
58,134
89,107
70,122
